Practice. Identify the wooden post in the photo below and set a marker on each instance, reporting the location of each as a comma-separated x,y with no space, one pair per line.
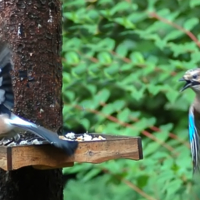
33,30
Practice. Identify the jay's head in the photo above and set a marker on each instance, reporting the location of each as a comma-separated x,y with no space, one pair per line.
192,79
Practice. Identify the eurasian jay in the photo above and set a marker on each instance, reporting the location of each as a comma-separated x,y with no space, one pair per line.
11,124
192,79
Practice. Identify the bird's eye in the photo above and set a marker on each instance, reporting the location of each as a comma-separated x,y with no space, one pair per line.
194,76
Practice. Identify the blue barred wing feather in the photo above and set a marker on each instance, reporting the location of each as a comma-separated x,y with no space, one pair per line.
194,129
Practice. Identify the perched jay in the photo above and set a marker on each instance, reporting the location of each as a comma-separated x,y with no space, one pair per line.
192,79
11,124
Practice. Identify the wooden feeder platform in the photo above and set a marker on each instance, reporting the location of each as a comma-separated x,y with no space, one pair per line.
46,156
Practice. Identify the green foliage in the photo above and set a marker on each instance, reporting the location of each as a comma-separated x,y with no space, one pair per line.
121,64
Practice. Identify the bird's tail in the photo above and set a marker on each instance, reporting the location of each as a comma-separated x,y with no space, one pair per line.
68,146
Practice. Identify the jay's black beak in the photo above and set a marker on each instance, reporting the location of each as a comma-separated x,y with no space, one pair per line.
187,84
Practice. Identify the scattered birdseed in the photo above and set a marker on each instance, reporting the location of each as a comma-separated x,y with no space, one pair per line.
80,138
62,137
101,138
87,137
36,141
26,139
95,138
70,135
23,143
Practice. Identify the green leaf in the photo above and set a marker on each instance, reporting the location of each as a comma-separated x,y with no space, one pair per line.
72,58
191,23
120,6
151,148
194,3
174,187
122,50
124,115
171,94
118,104
112,69
138,94
137,57
125,22
91,88
103,95
91,173
106,44
86,123
108,109
104,58
72,44
173,35
154,89
70,95
81,68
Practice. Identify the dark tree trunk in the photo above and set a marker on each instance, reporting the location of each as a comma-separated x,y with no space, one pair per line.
33,30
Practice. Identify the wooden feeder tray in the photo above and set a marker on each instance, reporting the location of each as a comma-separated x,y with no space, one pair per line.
46,156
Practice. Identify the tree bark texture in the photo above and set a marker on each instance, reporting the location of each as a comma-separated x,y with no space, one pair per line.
32,28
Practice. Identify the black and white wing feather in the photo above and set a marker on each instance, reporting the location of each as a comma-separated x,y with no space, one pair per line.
6,92
9,122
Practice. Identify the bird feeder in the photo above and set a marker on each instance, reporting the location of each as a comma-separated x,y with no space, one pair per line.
46,156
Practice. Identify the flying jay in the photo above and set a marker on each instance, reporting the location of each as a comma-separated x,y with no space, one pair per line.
192,80
11,124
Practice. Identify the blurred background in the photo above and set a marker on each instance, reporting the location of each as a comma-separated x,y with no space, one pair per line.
121,64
